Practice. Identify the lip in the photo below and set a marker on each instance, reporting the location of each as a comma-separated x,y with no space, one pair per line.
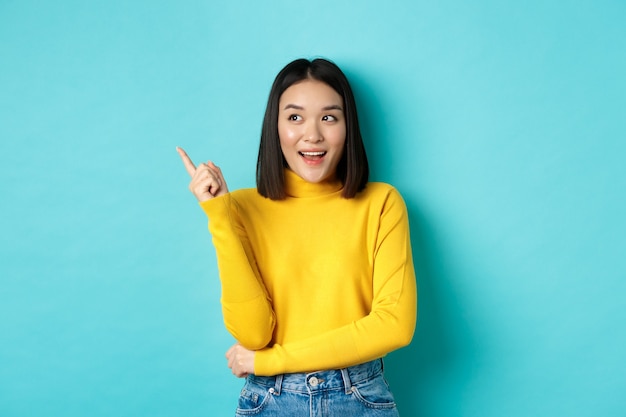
316,153
315,157
312,150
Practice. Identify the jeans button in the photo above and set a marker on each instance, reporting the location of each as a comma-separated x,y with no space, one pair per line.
314,381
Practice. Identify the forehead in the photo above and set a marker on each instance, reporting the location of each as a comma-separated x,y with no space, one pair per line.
311,92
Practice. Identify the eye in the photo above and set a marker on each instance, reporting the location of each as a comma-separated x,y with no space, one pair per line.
295,118
329,118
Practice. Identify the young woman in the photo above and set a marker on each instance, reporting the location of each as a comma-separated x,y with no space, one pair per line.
315,263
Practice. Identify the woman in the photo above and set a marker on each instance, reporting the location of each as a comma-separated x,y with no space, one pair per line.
315,263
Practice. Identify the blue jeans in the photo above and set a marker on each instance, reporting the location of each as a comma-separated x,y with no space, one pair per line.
359,390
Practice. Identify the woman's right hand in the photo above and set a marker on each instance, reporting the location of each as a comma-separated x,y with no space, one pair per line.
207,181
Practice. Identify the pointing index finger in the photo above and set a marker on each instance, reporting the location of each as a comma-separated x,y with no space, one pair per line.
191,168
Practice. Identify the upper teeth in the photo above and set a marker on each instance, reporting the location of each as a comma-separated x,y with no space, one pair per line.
313,153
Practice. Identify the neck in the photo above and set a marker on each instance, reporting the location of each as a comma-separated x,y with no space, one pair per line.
299,188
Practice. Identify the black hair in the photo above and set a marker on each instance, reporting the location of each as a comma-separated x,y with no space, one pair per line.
353,168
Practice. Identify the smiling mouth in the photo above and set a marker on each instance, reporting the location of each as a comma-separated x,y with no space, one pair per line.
313,155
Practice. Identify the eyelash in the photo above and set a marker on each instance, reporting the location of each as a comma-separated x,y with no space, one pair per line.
326,118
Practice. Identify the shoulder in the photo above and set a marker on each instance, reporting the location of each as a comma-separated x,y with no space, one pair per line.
386,203
248,197
244,194
378,187
383,198
380,190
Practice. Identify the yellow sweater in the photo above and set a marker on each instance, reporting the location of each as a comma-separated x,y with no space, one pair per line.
315,281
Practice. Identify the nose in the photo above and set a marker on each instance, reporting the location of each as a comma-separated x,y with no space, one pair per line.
313,133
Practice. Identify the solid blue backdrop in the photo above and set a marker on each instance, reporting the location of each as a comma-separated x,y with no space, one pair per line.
502,124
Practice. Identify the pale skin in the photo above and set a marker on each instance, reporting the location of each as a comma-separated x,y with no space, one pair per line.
312,129
312,133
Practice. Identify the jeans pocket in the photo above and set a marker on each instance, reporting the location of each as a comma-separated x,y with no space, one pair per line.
374,393
252,399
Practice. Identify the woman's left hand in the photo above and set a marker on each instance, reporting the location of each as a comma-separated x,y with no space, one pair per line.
240,360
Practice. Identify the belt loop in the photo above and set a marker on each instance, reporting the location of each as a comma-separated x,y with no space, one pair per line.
278,384
346,381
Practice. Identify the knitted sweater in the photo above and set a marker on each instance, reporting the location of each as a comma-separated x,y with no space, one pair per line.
315,281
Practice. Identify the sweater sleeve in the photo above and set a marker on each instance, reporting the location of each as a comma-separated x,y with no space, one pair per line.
246,307
390,323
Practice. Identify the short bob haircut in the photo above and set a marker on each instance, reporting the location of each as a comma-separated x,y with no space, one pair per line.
353,168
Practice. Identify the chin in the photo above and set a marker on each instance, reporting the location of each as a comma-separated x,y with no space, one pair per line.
314,177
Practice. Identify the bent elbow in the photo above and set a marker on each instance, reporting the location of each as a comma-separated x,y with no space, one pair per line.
403,334
404,339
254,337
252,327
254,343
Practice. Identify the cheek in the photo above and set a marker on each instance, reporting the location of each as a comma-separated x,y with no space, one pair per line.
286,134
337,136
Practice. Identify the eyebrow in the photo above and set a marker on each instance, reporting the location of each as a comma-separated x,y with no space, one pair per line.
297,107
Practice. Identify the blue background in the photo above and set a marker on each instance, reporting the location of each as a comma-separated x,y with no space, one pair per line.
502,123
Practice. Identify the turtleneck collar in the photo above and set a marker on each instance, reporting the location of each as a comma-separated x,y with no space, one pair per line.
297,187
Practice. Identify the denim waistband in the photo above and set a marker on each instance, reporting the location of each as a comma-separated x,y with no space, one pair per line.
320,380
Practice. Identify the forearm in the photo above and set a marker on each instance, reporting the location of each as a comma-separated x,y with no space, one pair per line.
247,310
368,338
